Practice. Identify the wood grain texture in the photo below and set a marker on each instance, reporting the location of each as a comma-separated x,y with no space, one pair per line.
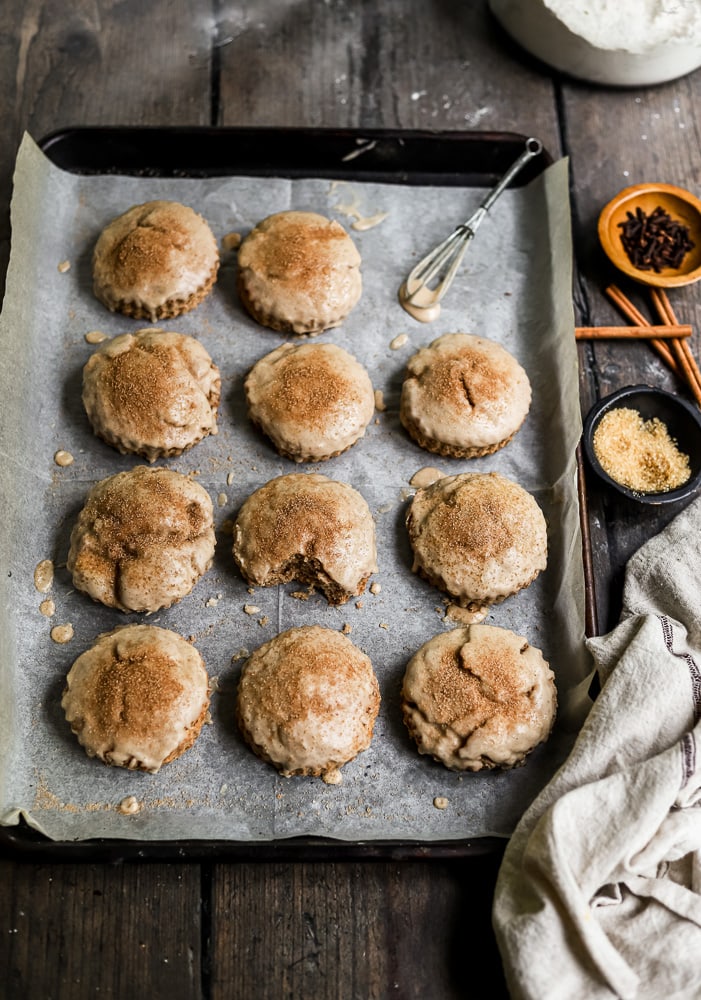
402,63
616,138
70,932
108,62
355,931
253,931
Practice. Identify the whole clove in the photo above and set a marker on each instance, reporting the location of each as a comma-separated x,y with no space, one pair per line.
655,241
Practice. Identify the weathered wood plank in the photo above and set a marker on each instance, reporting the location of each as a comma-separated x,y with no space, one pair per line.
110,62
617,138
73,931
399,64
353,931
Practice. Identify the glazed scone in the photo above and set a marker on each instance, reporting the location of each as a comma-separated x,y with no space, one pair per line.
307,701
464,396
151,393
312,400
306,527
138,697
299,272
142,540
478,536
478,697
155,261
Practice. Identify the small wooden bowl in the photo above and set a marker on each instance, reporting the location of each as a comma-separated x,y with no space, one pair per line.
680,204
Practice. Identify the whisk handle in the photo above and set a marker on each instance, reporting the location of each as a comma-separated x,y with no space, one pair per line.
533,148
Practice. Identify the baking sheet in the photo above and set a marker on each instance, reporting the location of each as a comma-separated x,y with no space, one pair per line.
514,287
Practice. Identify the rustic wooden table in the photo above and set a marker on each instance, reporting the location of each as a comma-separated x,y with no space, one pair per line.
324,929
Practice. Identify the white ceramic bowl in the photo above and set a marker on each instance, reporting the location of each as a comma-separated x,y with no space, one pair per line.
667,52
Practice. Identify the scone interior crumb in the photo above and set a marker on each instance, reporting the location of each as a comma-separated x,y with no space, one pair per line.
310,528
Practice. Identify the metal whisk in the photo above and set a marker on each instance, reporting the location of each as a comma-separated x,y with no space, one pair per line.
445,259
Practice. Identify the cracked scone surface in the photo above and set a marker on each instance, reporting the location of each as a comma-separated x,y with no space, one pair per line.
155,261
306,527
151,393
478,697
463,396
142,540
307,701
138,697
299,272
312,400
480,537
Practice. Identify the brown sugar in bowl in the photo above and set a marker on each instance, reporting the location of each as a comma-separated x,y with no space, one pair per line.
682,420
681,205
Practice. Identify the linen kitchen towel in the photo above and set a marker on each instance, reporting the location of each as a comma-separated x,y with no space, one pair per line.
599,891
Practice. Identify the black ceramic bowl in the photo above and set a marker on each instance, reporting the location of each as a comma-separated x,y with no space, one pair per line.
683,422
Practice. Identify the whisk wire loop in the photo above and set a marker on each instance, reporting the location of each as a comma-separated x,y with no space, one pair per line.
445,259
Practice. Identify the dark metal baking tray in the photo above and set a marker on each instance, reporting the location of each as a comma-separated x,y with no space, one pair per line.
385,155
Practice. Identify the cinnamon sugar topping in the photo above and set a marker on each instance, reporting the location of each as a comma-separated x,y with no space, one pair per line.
299,272
142,539
308,528
138,697
478,536
464,396
313,400
307,701
478,697
152,393
157,260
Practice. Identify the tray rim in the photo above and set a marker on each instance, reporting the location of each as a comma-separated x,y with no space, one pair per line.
25,842
260,138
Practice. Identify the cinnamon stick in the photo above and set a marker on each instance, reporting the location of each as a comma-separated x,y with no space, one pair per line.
681,349
646,332
635,316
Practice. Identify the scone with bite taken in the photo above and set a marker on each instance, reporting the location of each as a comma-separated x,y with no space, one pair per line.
478,697
299,272
312,400
306,527
307,702
138,697
151,393
464,396
480,537
142,540
155,261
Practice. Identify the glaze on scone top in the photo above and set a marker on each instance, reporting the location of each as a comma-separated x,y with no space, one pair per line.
138,697
307,701
312,400
478,536
151,393
478,697
142,539
464,396
306,527
299,272
155,261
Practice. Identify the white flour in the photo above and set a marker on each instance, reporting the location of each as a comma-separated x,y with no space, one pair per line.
631,25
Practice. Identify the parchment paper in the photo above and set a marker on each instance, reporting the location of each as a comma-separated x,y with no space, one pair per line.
514,287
